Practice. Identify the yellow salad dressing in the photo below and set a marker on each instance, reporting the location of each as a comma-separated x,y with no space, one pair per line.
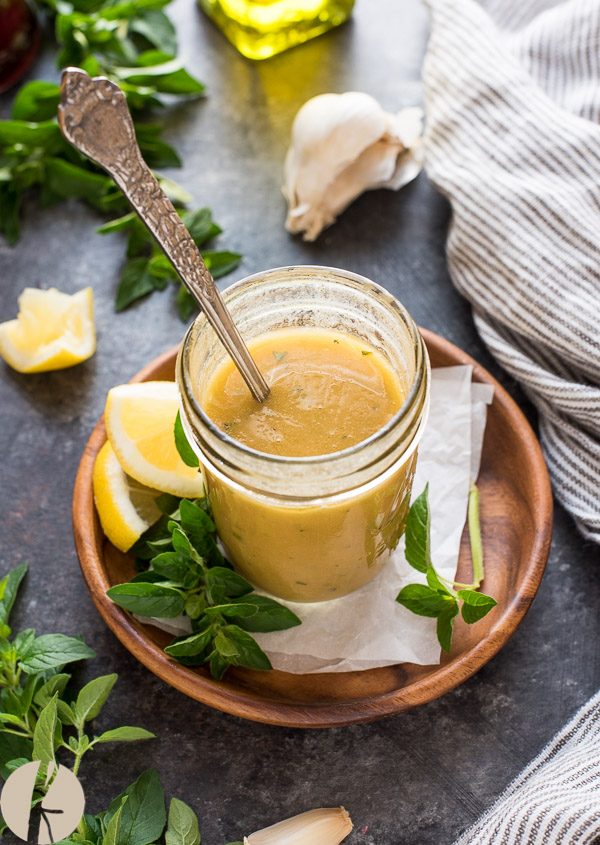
329,391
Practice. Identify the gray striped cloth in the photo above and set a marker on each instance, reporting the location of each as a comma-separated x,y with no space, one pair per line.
513,140
556,799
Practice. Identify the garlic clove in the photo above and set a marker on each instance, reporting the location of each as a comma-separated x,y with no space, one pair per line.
327,826
343,145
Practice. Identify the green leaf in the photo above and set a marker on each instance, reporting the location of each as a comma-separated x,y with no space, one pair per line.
144,815
119,224
92,697
182,828
475,605
418,527
65,713
44,733
9,587
36,101
11,748
423,601
125,734
239,648
13,765
156,28
186,453
10,207
55,684
220,263
176,567
444,625
113,828
201,225
435,583
197,524
45,134
267,614
66,180
52,651
225,584
191,646
136,281
186,304
148,599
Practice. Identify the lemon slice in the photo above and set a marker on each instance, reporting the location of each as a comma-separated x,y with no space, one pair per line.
53,330
139,421
125,507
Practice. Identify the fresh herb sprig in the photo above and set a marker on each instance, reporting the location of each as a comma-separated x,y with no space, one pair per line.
134,43
439,598
187,574
148,268
38,719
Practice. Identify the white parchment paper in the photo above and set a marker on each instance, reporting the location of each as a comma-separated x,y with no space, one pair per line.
369,628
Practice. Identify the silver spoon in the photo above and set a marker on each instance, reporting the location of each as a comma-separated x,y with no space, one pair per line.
94,117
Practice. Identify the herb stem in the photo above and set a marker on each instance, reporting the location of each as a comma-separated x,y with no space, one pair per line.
475,537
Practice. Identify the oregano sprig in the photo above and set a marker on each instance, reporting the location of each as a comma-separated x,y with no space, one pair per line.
439,598
187,574
134,43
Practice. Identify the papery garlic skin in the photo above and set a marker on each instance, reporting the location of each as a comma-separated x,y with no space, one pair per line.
341,146
327,826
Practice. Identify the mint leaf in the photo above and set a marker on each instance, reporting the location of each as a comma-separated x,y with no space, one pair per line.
148,599
191,646
125,734
240,649
11,748
44,733
422,600
267,614
220,263
418,528
476,605
51,651
186,453
9,587
144,816
55,684
224,583
36,101
136,281
113,828
444,625
182,826
92,697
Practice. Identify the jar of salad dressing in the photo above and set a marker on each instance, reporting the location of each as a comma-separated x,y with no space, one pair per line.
309,490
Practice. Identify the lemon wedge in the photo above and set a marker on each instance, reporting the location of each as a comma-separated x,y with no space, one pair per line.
125,507
139,422
53,330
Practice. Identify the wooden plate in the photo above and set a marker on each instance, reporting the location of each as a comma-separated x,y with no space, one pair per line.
516,513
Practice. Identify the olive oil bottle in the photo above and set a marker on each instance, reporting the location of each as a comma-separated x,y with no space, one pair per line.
261,28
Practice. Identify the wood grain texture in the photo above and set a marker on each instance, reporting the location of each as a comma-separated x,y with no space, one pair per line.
516,515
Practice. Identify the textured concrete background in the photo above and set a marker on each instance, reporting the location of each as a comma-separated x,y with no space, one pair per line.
416,778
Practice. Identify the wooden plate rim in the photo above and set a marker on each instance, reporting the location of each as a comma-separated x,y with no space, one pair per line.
248,704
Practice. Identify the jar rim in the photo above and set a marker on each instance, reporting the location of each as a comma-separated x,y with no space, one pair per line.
341,276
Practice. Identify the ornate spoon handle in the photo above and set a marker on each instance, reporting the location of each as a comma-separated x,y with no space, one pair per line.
93,116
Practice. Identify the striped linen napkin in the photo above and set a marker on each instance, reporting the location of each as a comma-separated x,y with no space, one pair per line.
513,140
512,94
556,799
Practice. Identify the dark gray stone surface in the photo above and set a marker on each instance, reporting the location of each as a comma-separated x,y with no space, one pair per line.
416,778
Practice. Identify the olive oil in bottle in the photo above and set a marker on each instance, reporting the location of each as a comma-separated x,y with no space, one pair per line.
261,28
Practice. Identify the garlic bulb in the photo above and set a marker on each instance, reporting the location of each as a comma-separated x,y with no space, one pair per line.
317,827
343,145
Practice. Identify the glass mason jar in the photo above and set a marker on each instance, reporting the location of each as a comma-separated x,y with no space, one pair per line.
309,528
261,28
